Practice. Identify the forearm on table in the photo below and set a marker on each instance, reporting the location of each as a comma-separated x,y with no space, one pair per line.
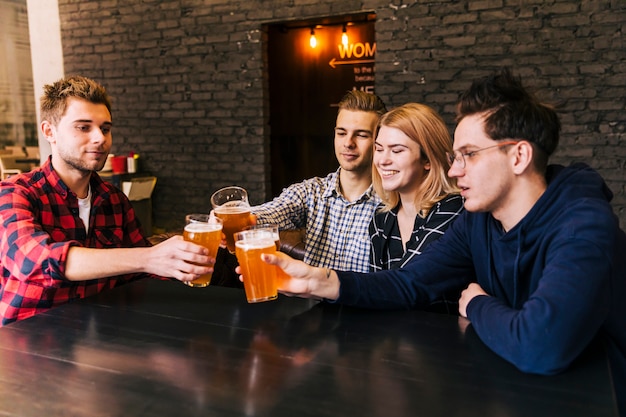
88,263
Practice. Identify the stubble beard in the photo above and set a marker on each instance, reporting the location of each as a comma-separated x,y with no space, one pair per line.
79,165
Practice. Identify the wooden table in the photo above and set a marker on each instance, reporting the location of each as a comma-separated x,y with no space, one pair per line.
160,348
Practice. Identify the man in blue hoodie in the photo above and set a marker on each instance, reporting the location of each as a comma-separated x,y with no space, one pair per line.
538,258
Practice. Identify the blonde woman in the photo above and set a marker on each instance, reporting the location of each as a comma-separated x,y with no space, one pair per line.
419,200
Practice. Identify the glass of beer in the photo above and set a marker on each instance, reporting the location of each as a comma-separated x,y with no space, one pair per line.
259,278
205,230
231,205
281,275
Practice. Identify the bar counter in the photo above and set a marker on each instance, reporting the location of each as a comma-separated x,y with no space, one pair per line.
160,348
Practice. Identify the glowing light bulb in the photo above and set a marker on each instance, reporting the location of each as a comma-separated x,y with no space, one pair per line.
313,40
344,36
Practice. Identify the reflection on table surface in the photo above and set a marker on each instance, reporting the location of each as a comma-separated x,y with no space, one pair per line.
157,348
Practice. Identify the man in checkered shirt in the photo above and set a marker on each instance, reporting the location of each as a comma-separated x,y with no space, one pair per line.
65,233
336,210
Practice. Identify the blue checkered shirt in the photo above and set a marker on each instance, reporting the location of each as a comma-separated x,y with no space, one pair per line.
337,234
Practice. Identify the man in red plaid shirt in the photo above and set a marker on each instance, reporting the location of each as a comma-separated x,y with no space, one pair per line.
65,233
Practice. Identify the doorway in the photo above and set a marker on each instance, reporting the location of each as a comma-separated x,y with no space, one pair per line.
305,84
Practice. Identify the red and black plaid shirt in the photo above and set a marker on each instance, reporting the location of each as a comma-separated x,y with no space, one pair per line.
39,223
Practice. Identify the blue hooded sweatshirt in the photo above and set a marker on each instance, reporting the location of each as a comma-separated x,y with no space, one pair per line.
556,280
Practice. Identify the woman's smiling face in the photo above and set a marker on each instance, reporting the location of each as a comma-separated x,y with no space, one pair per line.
398,160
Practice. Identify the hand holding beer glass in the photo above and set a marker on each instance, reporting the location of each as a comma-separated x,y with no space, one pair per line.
206,231
281,275
259,278
231,205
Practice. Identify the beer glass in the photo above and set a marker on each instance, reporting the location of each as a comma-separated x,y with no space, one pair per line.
281,275
259,278
231,205
205,230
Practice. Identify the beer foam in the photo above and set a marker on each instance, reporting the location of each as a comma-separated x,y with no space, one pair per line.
233,207
255,244
198,227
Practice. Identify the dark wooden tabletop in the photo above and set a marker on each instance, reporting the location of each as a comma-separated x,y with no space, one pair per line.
160,348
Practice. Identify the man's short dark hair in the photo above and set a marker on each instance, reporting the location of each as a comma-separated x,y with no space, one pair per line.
512,112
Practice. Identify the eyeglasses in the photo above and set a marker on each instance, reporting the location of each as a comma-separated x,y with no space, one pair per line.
459,157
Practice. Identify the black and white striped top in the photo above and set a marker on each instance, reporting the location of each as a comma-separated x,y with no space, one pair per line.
387,251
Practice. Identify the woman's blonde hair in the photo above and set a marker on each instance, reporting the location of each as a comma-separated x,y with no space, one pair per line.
424,126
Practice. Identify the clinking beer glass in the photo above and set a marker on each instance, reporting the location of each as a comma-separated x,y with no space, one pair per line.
259,278
231,205
206,231
281,275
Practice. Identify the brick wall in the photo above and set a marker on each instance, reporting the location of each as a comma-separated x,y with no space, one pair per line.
189,88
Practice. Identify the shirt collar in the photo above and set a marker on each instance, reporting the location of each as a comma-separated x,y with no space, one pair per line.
52,177
334,190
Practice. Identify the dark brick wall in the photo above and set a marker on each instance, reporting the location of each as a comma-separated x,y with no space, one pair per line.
189,88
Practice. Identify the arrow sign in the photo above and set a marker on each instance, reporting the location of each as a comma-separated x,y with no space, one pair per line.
333,62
